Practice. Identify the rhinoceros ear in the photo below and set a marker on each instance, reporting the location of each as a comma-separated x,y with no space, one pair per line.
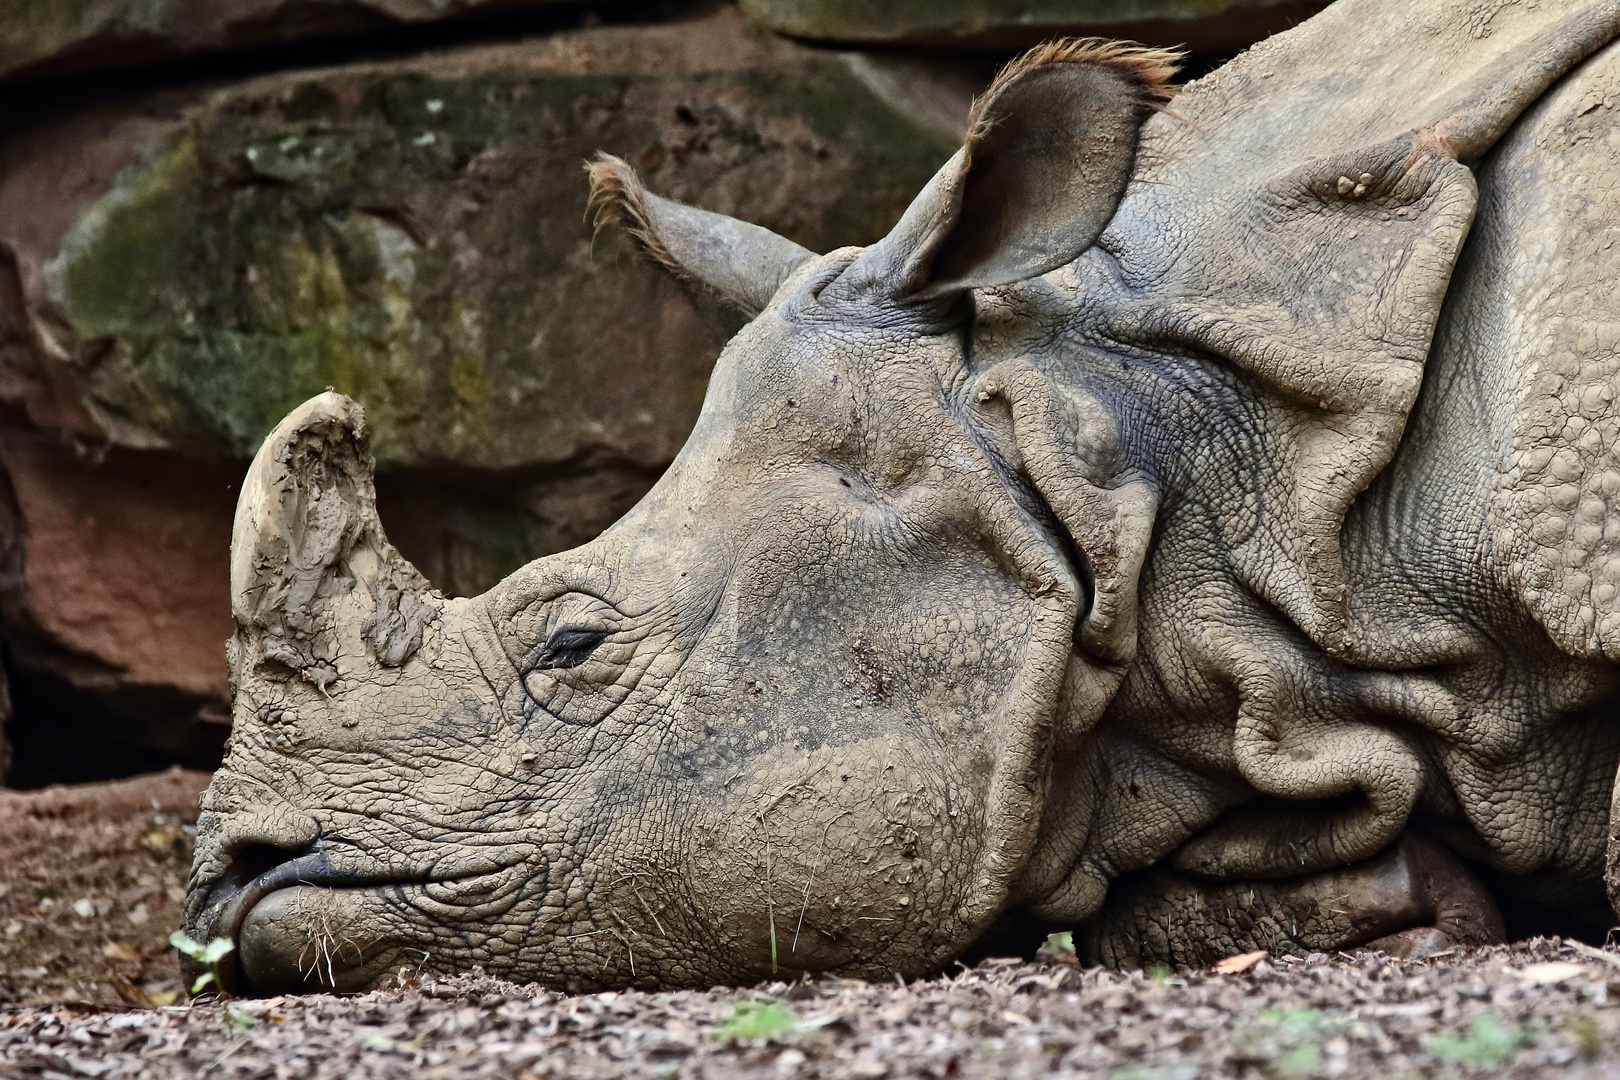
315,584
745,264
1050,148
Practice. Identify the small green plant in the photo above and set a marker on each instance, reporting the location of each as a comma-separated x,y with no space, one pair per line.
755,1020
210,954
1178,1071
1159,973
239,1020
1487,1043
1299,1061
383,1043
1058,948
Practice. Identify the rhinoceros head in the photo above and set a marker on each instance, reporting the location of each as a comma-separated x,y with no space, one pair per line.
790,713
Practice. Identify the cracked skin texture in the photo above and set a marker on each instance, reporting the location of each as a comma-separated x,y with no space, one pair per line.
1179,562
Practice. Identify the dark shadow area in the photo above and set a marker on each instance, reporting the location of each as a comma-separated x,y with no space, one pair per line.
466,529
61,734
1017,934
1545,905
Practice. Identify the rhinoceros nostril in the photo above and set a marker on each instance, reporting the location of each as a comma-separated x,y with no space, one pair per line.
255,859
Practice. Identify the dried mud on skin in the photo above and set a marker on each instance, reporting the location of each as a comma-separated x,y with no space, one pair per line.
90,883
1505,1011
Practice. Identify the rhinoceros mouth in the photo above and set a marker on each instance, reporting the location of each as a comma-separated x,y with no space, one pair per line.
233,900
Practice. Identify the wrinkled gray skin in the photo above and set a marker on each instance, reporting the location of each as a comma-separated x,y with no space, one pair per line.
1223,559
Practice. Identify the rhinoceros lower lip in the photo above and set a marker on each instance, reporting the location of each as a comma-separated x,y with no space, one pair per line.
311,869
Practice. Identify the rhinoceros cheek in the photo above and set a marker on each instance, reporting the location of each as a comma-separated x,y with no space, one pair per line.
309,939
857,858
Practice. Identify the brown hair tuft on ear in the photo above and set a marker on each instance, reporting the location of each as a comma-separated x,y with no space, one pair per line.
1148,68
740,263
617,198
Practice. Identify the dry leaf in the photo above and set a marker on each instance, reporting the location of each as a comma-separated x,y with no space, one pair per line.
117,950
1553,971
128,992
1237,965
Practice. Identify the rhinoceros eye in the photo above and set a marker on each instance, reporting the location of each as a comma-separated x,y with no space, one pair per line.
577,656
570,646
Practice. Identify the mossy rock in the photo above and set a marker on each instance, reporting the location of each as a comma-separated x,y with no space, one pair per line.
72,35
1201,25
413,234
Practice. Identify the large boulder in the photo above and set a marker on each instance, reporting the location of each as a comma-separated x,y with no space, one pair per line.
114,611
177,272
414,235
1216,26
60,35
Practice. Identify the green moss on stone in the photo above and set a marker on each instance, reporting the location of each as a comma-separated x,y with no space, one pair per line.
415,237
35,30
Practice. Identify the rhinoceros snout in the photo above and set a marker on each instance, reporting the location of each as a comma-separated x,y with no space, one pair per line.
254,874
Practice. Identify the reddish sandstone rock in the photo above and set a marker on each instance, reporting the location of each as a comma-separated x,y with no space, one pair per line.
114,607
126,561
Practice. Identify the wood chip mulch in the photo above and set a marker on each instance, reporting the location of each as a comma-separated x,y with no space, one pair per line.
1545,1008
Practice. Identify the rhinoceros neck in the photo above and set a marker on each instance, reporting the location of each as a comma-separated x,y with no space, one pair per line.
1473,657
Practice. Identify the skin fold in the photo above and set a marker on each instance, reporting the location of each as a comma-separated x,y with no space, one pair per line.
1191,524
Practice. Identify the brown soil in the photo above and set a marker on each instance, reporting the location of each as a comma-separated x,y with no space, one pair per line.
91,880
1546,1008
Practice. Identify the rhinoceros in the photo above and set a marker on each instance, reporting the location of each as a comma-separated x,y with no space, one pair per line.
1196,524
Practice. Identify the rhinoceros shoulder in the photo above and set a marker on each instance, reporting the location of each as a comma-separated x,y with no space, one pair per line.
1534,324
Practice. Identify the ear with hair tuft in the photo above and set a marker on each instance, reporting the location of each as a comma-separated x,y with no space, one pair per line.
745,264
1049,151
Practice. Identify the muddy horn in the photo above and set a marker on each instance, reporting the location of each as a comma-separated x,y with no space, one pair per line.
313,576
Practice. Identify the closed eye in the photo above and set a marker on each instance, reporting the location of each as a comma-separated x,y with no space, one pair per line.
570,646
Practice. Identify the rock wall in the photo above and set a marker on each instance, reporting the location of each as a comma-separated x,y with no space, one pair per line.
185,255
1203,25
71,35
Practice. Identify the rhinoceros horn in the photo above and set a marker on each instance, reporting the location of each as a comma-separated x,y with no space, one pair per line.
310,564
